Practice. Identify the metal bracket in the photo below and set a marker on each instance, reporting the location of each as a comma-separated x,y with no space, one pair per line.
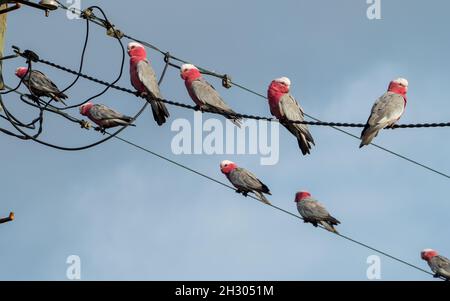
10,8
7,219
226,81
18,3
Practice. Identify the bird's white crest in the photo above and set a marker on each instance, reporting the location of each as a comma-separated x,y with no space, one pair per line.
401,81
185,67
283,80
225,162
135,44
427,250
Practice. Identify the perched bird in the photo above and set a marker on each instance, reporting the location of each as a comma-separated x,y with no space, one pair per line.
103,116
314,212
438,264
40,85
204,95
285,108
244,180
386,111
143,79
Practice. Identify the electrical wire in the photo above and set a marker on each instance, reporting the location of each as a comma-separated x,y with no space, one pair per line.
149,151
48,107
334,125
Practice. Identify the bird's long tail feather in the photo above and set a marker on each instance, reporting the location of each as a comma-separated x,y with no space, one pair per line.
159,110
262,198
329,227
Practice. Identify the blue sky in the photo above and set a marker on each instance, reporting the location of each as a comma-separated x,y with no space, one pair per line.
131,216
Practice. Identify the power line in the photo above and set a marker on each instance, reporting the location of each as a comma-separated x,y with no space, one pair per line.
31,56
149,151
103,23
318,122
106,24
49,107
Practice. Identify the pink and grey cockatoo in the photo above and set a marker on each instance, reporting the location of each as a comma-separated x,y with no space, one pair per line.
40,85
244,180
285,108
386,111
440,265
143,79
204,95
314,212
103,116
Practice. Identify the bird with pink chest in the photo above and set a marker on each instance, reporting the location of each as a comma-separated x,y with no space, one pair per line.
386,111
204,95
286,109
244,180
143,79
439,264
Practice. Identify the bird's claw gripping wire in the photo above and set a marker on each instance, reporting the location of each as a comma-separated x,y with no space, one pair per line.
141,94
32,97
100,129
198,108
244,193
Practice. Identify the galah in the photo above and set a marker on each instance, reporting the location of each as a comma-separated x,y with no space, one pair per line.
143,79
104,116
386,111
244,180
39,84
286,109
204,95
440,265
314,212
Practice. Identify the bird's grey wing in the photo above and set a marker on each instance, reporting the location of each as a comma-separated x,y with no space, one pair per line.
208,95
441,265
244,178
147,76
40,81
311,209
102,112
290,108
292,111
388,108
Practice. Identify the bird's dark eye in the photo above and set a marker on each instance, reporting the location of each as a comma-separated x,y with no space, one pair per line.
226,165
